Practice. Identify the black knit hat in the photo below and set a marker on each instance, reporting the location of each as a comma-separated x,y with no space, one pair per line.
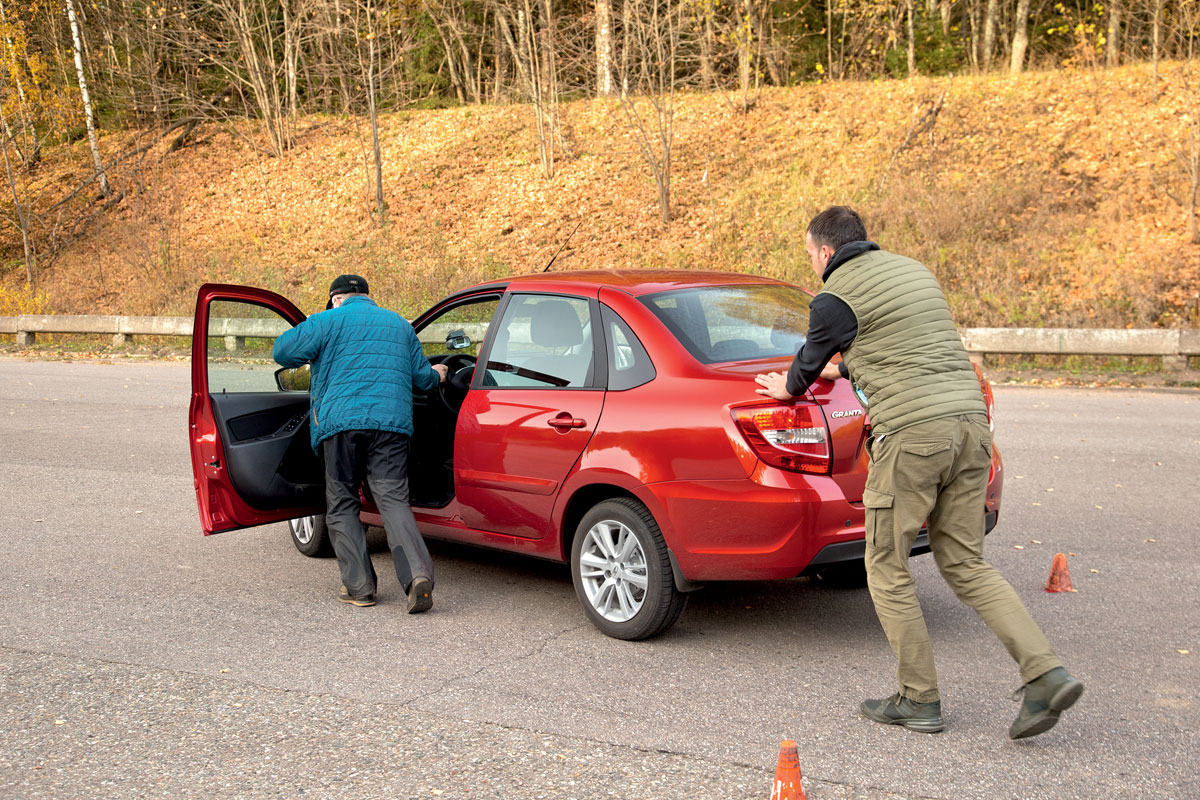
347,284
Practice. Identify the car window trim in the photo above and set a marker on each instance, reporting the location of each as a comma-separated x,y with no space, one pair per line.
599,380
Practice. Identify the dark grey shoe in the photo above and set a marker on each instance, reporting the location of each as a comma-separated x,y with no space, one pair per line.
361,602
420,595
1045,698
897,710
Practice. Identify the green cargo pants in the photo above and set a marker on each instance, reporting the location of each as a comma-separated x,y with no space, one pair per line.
938,471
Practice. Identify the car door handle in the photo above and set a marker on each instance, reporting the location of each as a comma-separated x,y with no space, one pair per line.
564,421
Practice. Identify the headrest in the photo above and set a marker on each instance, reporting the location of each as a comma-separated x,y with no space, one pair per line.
554,323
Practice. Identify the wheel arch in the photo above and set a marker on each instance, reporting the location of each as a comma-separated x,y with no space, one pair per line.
582,501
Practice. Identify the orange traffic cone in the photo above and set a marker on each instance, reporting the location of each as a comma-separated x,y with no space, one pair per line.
787,774
1060,576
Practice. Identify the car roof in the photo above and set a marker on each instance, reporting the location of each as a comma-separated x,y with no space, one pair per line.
635,282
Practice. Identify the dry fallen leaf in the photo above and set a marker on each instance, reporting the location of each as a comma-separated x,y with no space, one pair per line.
1035,541
1183,652
1018,547
1152,540
1096,571
1037,504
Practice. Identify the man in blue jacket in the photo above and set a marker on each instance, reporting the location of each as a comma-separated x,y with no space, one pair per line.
366,361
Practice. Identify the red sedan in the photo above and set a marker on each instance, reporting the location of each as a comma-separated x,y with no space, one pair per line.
613,425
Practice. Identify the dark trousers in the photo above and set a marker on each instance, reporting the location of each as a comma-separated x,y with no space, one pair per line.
381,459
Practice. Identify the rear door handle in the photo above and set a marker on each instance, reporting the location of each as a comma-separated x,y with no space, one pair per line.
565,421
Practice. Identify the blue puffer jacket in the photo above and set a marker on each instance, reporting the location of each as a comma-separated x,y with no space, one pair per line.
365,360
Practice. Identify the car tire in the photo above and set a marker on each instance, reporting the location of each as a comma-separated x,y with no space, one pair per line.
622,573
311,536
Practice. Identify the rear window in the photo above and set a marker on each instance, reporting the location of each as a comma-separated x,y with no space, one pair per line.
734,323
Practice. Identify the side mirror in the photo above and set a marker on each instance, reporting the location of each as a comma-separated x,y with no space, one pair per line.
457,340
293,379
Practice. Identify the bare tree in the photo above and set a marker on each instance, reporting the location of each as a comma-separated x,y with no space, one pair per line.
532,50
1188,156
655,38
1155,36
370,70
87,102
23,134
22,214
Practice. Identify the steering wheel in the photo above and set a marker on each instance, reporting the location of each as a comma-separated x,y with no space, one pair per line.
453,391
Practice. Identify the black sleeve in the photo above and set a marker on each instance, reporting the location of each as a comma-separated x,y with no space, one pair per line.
832,327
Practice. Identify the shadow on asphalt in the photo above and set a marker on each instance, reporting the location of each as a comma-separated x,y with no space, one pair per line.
807,607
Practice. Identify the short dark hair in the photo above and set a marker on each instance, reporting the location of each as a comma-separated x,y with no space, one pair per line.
836,226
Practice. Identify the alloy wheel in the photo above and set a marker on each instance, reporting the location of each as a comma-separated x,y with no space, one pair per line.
612,566
303,529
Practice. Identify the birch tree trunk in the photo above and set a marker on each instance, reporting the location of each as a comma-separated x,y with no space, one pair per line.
604,48
989,33
87,102
1020,38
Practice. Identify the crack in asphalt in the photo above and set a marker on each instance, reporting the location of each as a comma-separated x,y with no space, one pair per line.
533,652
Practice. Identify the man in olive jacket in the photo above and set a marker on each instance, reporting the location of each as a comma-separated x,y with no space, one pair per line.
366,361
930,453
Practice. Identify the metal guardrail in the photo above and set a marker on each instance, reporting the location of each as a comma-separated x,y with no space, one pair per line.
1175,346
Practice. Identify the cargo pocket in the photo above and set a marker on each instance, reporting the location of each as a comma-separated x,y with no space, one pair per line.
922,463
929,447
880,531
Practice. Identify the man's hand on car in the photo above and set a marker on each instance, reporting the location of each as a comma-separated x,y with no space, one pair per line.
774,385
442,370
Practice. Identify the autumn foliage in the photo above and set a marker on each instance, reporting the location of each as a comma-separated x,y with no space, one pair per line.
1038,200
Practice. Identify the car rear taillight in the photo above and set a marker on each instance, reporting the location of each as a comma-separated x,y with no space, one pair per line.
989,399
785,436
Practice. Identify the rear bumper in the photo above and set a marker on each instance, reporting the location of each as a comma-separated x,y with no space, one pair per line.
845,552
745,530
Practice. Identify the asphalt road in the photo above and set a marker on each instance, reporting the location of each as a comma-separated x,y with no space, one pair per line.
138,658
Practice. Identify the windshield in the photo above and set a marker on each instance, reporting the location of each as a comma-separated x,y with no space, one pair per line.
734,323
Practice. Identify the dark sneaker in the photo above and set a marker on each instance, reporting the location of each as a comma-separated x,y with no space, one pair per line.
420,595
1045,698
362,602
897,710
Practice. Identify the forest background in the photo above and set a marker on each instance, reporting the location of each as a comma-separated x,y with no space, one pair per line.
1042,157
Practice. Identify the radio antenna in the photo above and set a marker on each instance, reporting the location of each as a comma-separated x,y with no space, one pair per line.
561,246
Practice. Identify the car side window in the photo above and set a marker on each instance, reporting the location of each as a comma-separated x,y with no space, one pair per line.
459,330
629,364
543,341
241,336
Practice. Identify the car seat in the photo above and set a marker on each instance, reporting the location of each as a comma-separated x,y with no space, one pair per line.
554,324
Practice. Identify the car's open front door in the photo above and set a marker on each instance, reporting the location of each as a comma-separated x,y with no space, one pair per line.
251,459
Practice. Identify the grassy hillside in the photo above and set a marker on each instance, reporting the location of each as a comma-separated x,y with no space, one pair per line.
1039,200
